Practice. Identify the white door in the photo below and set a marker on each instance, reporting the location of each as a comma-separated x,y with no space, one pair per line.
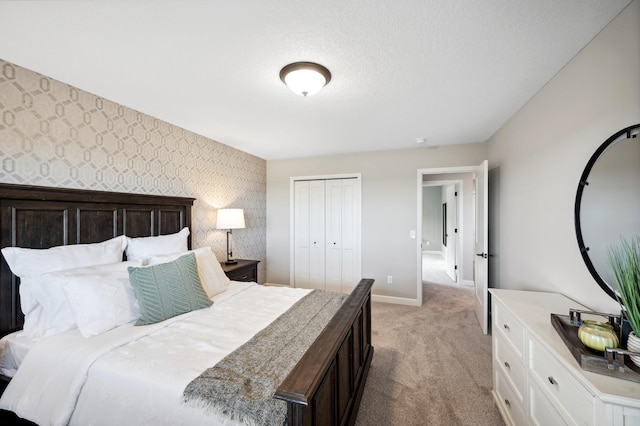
482,245
452,236
301,238
333,232
309,268
316,235
350,253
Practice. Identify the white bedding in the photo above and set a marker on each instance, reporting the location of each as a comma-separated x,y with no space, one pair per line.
13,349
136,375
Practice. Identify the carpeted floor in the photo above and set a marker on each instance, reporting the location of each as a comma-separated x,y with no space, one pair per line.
431,365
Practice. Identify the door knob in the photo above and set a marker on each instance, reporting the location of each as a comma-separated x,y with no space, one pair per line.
483,255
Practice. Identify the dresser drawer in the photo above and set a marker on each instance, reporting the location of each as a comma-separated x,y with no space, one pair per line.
542,412
509,401
510,327
575,403
510,363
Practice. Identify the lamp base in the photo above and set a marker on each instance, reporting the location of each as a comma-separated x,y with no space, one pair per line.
230,262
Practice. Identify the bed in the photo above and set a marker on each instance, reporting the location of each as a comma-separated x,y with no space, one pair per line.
323,388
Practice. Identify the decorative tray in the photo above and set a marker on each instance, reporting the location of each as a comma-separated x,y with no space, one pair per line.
612,362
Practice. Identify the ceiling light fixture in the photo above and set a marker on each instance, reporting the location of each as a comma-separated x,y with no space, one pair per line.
305,78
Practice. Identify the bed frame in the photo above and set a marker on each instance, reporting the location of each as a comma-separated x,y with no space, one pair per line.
324,388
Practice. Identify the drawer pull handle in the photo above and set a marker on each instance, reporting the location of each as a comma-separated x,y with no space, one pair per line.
506,327
552,380
506,364
508,403
244,277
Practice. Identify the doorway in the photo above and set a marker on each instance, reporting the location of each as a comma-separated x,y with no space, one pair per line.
472,246
441,231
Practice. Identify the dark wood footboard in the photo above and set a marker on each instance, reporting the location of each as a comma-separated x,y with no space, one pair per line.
326,386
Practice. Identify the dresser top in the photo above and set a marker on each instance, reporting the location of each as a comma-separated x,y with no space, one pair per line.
534,310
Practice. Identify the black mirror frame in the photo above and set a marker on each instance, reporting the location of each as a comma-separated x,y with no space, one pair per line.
584,182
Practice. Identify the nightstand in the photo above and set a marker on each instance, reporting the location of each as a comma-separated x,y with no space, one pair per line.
245,270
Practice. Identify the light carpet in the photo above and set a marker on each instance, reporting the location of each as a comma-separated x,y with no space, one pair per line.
431,365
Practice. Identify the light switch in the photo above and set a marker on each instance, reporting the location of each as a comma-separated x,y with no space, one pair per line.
412,234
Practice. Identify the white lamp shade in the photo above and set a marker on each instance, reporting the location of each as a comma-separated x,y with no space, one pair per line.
305,78
230,219
305,82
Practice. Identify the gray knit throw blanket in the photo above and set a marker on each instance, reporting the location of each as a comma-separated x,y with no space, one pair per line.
242,384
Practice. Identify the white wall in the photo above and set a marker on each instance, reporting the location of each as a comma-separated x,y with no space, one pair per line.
389,209
539,154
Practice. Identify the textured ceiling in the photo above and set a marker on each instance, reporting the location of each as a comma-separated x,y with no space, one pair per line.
448,71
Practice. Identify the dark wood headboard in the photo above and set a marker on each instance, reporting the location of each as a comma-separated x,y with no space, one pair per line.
42,217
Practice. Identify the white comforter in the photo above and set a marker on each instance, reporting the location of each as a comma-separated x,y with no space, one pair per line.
136,375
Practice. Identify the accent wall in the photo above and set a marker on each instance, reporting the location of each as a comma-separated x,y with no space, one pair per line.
54,134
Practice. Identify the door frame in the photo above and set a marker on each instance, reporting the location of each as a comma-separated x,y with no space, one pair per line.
420,184
459,214
292,180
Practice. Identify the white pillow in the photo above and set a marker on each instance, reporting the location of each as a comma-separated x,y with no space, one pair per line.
26,262
49,311
101,302
144,247
213,278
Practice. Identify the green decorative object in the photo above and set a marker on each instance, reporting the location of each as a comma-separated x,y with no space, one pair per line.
597,335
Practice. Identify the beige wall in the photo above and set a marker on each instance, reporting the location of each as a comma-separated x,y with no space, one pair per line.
538,156
389,209
53,134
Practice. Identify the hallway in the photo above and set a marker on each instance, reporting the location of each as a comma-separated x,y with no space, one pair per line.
434,269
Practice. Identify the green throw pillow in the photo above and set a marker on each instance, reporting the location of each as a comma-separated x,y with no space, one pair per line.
169,289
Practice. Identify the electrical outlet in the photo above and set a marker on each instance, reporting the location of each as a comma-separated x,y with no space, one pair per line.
389,279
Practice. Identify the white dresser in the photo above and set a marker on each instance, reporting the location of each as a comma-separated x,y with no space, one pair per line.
536,380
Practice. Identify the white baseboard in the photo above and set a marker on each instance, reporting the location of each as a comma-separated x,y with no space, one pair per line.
395,300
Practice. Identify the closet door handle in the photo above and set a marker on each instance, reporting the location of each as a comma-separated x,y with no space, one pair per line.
507,365
552,380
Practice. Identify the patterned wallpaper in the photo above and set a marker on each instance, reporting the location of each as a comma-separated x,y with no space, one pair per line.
53,134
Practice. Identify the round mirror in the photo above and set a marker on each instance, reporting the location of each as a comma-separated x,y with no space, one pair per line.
608,202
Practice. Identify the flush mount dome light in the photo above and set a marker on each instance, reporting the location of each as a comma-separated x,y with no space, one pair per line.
305,78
